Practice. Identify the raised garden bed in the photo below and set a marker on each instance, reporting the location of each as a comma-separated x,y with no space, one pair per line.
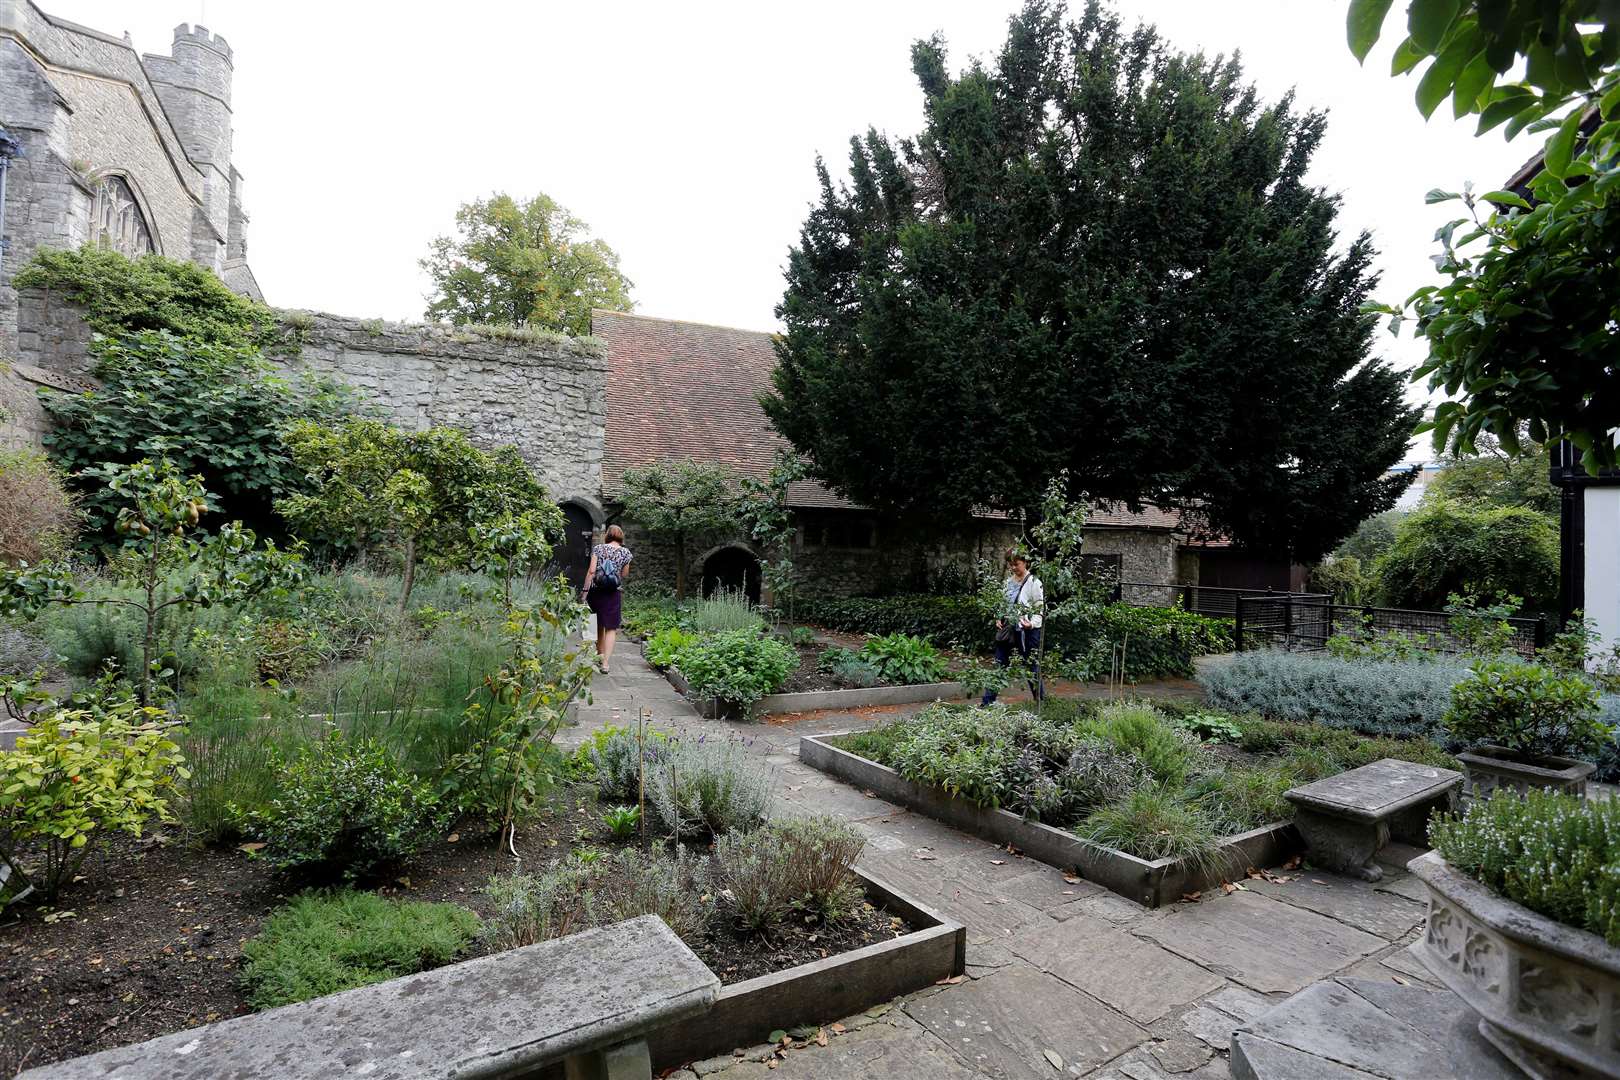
1151,883
151,941
823,990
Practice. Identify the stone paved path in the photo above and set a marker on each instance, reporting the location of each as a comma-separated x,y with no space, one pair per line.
1057,971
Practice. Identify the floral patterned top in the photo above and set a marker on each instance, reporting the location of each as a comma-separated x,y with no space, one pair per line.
617,554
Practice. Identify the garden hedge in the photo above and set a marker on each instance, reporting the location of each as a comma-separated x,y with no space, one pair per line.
1160,642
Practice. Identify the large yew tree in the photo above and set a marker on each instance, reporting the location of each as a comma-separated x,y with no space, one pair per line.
1099,255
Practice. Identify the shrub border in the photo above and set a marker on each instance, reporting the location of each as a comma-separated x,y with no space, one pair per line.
812,700
1151,883
823,990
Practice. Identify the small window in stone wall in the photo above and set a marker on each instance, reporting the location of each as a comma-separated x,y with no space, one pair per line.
856,533
117,223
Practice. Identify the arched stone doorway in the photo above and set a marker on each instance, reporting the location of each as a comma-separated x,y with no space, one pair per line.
732,568
574,553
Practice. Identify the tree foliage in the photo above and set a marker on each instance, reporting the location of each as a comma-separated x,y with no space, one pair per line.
119,295
1446,548
1099,255
1493,477
523,262
1524,328
427,490
675,500
214,410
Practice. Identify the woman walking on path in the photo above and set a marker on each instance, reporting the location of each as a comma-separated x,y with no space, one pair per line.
604,589
1020,624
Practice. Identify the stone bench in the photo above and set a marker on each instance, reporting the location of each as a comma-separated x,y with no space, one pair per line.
579,1007
1346,819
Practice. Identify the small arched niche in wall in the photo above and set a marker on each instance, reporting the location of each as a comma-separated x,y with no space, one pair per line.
732,569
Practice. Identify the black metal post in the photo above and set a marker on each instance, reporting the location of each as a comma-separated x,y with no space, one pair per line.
1237,625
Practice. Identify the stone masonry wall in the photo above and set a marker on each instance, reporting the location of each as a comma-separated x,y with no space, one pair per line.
548,399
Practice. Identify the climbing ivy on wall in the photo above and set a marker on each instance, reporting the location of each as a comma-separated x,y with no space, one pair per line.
119,295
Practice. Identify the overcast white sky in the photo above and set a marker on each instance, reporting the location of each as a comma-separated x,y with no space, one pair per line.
684,133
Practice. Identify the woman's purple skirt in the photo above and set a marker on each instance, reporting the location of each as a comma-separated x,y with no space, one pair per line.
605,603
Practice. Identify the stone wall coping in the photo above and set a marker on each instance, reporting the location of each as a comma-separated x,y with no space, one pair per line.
1376,791
502,1015
1514,920
466,342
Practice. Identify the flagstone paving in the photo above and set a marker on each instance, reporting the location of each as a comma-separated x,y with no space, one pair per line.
1063,977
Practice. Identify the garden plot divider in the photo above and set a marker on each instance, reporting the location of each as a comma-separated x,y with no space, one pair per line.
822,991
1149,882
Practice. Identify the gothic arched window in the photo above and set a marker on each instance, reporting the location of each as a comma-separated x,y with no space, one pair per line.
118,223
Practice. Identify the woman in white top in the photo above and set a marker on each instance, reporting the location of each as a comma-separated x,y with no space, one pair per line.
1020,625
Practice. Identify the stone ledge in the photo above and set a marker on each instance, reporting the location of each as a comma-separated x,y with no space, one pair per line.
502,1015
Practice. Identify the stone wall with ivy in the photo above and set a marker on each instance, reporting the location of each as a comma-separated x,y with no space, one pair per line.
544,393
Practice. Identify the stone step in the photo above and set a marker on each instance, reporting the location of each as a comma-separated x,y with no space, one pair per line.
1366,1029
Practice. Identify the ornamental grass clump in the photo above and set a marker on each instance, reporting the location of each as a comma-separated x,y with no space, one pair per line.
1139,729
1531,710
1152,823
1558,855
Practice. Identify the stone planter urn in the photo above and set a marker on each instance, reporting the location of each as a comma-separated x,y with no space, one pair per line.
1490,768
1548,995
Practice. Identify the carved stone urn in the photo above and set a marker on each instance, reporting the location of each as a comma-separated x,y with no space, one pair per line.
1548,995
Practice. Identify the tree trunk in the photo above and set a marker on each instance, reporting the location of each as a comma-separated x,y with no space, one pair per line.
151,627
410,572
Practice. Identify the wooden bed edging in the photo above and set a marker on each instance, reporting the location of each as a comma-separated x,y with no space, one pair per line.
824,990
1151,883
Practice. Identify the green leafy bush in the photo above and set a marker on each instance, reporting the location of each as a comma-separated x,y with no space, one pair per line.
904,659
1161,642
850,668
664,648
345,806
645,613
1210,726
1493,552
119,296
1527,708
1553,853
214,410
1096,774
702,788
77,775
737,666
319,944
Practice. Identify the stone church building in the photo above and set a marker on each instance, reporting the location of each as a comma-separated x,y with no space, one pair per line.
104,145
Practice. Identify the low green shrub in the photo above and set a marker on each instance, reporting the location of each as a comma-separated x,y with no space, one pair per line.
705,789
575,895
646,613
1159,642
345,807
850,668
1139,729
1236,800
737,666
1555,854
622,821
904,659
1527,708
319,944
664,648
77,775
749,874
819,855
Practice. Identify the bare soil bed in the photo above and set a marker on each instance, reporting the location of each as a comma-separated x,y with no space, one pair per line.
150,941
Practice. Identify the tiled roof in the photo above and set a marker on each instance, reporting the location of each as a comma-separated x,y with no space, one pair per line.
689,390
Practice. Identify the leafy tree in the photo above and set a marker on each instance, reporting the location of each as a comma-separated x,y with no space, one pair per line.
1372,537
161,558
119,295
1492,477
371,483
213,410
764,512
1102,256
1446,548
518,262
1523,330
674,500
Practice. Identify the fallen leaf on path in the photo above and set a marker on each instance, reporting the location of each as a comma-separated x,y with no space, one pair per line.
1053,1059
1072,879
837,1029
921,854
1191,897
821,1036
998,862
